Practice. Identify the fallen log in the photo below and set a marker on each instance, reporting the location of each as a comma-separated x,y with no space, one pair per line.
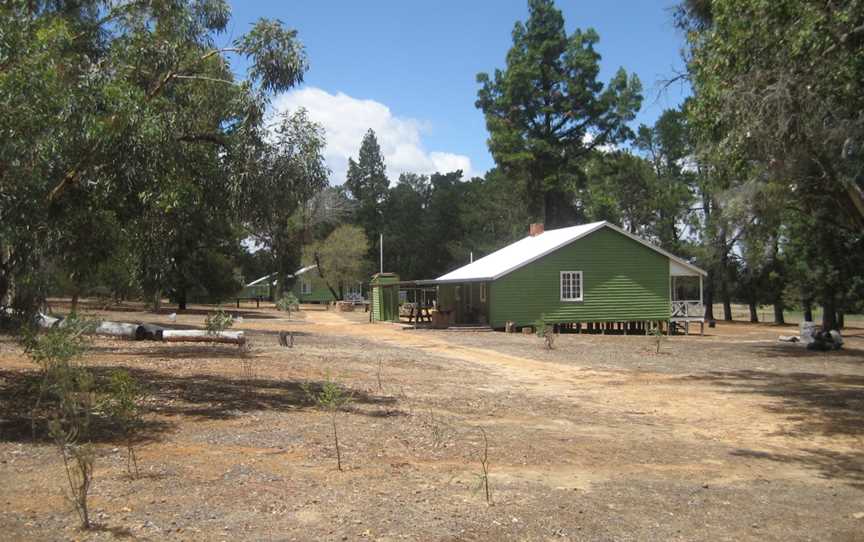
43,320
150,332
118,329
196,335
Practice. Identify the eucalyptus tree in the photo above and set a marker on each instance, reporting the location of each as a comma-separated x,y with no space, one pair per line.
284,196
547,110
667,146
106,107
780,83
339,258
778,95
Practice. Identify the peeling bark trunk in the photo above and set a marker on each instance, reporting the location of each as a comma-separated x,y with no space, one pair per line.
157,301
754,314
778,311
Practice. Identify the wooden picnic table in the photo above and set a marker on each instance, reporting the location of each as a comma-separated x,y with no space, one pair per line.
419,313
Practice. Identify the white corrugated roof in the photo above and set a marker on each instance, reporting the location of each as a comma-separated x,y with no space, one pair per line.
298,272
526,250
305,269
256,282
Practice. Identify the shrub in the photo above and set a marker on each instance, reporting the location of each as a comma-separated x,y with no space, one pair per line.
331,398
73,400
218,321
124,406
657,333
288,302
545,332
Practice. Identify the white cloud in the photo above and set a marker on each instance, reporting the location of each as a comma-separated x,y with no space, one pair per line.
346,119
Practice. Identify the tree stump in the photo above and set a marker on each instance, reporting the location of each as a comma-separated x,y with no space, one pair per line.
286,339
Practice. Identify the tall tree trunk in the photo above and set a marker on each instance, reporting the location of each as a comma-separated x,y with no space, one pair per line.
6,284
778,311
807,307
754,315
727,307
725,296
157,300
841,319
74,304
326,282
829,314
181,298
708,296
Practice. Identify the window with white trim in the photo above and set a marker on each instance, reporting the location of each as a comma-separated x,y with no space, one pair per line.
571,285
482,292
306,287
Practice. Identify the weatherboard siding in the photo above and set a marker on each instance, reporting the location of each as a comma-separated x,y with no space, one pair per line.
622,280
319,294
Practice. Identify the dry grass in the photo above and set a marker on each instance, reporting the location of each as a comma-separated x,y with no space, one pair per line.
730,436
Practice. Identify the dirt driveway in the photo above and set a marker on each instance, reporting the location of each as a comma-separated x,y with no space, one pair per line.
727,437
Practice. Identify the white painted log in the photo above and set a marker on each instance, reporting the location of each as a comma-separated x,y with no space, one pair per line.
43,320
196,335
118,329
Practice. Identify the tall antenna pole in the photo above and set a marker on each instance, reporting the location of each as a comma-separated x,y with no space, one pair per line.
381,245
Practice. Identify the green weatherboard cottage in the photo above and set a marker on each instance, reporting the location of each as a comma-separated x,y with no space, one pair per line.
593,273
309,287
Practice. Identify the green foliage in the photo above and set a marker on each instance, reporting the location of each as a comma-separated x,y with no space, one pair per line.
547,111
367,183
218,321
776,113
332,398
71,395
658,336
545,331
339,258
290,174
124,406
124,125
288,302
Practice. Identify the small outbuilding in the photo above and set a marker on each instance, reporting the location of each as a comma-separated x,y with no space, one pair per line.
594,275
385,297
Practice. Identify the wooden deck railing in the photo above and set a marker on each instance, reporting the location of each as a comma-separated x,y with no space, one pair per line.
688,309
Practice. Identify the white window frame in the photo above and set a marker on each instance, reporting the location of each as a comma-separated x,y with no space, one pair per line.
482,292
305,287
571,298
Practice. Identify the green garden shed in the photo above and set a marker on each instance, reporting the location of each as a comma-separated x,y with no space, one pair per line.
595,274
385,297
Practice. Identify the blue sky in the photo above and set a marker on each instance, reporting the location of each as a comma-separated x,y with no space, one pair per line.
407,68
